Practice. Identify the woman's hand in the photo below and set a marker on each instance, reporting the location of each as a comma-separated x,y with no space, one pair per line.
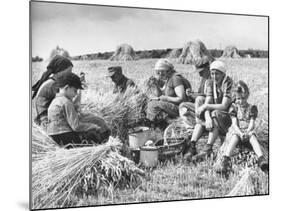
201,109
163,98
209,124
154,98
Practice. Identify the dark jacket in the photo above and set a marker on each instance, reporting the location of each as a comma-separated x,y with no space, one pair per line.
45,95
123,84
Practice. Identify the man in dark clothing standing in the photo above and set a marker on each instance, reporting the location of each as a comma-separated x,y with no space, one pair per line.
121,82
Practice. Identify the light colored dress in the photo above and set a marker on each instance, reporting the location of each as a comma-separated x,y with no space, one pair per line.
243,114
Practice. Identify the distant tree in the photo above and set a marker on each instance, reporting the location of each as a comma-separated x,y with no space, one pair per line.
36,59
155,54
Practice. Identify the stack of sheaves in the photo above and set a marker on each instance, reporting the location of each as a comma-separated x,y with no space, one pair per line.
120,111
60,174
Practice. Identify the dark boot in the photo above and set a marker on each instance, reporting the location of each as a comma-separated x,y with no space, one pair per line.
204,154
263,164
226,165
191,151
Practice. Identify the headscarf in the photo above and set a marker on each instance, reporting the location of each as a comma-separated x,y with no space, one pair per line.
56,65
163,64
217,65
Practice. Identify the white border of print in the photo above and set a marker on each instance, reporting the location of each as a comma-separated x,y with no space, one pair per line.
15,103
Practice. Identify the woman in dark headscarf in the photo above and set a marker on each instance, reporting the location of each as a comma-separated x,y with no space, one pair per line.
44,90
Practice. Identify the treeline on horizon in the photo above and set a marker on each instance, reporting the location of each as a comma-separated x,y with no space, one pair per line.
161,53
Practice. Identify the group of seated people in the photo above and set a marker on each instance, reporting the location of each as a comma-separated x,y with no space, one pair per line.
215,108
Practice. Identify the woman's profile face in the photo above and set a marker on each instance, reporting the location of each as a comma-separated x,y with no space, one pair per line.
69,69
162,74
217,75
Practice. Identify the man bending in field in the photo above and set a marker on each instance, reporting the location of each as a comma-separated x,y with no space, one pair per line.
121,82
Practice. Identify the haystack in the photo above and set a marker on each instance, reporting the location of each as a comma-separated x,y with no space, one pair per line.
59,51
123,52
175,53
231,52
193,51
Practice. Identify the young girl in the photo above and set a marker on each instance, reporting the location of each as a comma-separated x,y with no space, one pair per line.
65,125
243,127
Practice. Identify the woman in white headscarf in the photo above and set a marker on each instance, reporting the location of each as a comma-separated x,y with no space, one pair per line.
211,110
161,109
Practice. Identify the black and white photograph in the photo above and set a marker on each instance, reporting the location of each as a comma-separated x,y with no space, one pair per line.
135,105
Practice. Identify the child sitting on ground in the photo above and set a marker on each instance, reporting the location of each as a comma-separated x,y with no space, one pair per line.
65,125
243,117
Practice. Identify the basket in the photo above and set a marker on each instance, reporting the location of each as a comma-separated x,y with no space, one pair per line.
170,150
176,138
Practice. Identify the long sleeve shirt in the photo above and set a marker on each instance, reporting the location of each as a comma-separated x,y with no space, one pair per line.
63,117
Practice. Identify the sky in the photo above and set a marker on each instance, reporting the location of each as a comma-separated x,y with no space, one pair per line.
83,29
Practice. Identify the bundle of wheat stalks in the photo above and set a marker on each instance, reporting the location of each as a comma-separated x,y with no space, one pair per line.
59,174
247,185
120,111
41,142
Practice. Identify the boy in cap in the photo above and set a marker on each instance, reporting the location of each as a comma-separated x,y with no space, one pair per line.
64,122
211,111
121,82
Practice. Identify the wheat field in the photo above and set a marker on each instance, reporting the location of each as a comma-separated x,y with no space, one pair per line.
175,180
